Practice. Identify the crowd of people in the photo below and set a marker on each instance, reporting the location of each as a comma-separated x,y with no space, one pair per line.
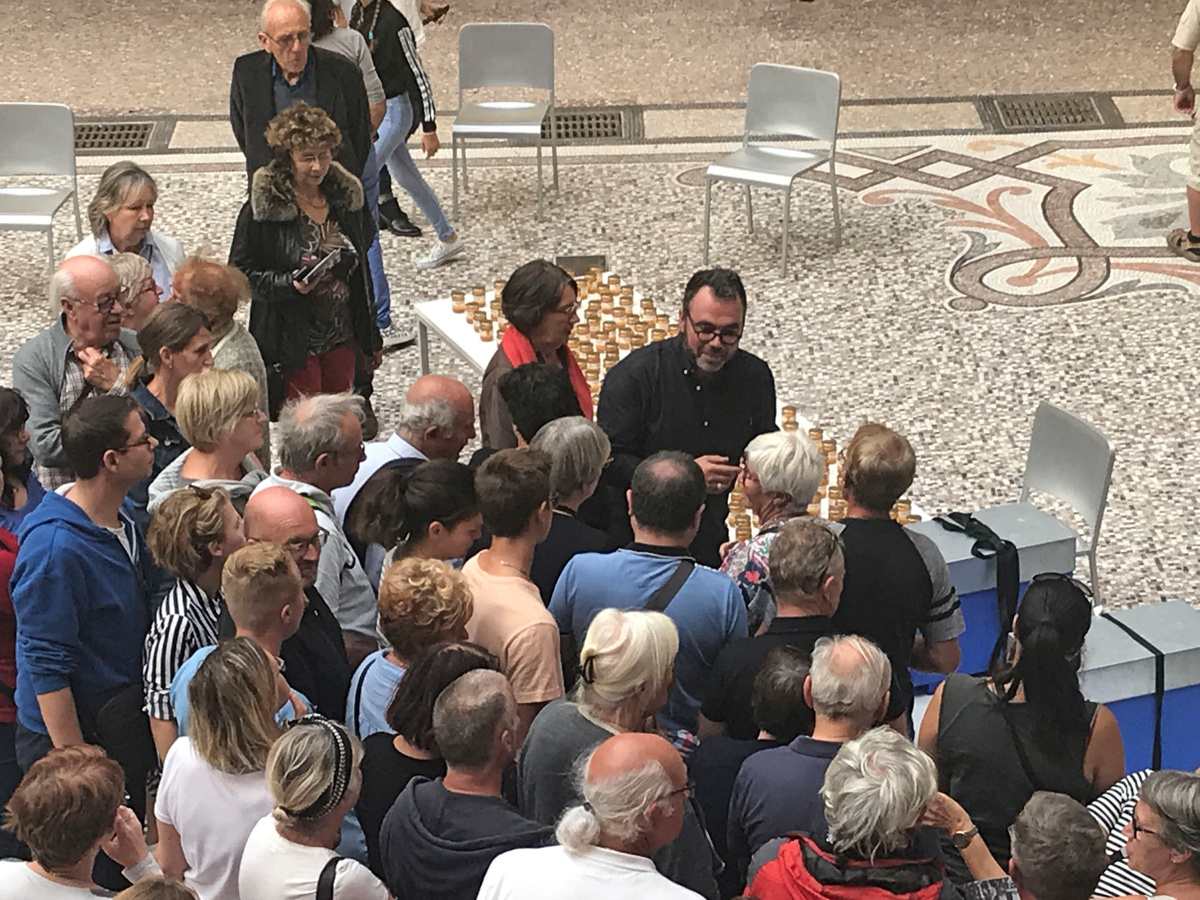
305,663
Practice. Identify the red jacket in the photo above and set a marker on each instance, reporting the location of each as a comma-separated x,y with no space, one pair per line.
803,871
8,629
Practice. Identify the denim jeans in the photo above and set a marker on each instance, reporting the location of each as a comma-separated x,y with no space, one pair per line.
383,293
392,149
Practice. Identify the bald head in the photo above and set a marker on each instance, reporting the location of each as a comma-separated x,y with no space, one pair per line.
629,752
849,680
280,515
475,721
666,495
438,416
77,286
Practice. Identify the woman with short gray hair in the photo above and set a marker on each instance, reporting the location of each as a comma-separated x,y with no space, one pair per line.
1163,837
781,471
876,792
121,215
579,450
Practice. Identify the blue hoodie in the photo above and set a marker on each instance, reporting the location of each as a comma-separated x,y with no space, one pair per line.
82,610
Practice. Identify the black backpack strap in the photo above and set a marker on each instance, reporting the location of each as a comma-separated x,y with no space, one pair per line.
664,595
358,699
325,881
989,545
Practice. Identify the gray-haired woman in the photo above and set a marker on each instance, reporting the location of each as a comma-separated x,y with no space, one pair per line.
121,215
579,451
1163,837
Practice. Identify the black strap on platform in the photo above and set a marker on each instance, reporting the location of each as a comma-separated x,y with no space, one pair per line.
989,545
1160,684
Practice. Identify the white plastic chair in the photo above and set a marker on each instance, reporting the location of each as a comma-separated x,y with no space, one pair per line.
505,54
782,100
37,139
1072,461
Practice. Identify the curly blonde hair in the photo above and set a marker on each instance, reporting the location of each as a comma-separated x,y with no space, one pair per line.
422,602
302,127
184,525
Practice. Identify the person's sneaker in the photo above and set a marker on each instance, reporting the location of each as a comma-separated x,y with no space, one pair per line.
398,224
441,252
395,337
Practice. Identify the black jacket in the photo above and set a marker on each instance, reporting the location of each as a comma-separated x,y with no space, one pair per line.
397,60
652,400
267,248
340,92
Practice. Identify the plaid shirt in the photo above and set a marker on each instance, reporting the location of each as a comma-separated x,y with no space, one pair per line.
71,392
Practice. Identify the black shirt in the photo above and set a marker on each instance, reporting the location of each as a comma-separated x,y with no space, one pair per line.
314,658
732,686
385,773
652,401
568,536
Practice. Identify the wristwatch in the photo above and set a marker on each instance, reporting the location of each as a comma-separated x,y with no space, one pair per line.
1180,89
961,839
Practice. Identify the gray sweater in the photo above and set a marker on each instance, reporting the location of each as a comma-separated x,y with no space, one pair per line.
546,785
38,367
172,479
237,349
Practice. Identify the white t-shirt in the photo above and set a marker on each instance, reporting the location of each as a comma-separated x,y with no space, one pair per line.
552,873
214,814
273,868
19,882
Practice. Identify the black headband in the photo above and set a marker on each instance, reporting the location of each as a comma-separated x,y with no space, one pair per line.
344,757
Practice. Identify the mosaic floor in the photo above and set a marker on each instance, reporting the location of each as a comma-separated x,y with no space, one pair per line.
977,275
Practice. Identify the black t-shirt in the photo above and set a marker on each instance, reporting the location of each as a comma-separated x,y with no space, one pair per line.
887,596
385,773
568,537
737,666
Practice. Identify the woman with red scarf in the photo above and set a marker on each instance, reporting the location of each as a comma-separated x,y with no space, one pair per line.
541,305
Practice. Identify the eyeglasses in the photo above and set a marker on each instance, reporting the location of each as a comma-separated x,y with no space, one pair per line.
1058,576
252,413
103,305
1138,829
706,331
146,440
568,310
687,790
290,40
833,546
300,544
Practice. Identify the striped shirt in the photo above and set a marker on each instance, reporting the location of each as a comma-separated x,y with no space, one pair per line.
1113,810
185,622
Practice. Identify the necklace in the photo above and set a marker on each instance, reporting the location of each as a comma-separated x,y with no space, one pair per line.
501,562
313,204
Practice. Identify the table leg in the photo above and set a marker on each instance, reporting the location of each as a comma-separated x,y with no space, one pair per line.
423,346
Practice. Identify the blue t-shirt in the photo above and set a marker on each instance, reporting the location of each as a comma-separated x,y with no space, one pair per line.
11,519
179,692
708,610
371,690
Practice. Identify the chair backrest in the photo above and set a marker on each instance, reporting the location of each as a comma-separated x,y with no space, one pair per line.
1071,460
505,54
793,100
37,139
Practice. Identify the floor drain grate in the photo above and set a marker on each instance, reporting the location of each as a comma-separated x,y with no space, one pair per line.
612,124
113,135
1033,112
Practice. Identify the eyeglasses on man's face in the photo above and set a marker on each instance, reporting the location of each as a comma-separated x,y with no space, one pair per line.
706,331
288,41
687,790
103,304
298,545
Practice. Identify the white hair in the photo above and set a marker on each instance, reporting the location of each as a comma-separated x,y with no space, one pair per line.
618,805
786,462
875,791
267,7
417,418
625,657
578,449
62,287
854,691
310,426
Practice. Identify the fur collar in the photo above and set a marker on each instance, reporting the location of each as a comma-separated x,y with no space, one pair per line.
273,193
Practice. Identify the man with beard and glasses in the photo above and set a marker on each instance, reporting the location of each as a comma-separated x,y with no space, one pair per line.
699,393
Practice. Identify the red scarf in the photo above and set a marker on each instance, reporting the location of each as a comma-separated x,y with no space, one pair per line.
520,351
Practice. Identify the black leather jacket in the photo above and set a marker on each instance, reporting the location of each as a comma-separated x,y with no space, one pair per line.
267,248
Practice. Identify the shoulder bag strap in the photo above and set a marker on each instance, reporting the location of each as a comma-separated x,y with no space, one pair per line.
325,881
358,698
664,595
1018,745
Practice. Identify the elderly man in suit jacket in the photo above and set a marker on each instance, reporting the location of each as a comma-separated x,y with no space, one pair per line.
288,70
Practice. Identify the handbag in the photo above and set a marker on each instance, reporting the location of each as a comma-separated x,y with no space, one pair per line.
121,727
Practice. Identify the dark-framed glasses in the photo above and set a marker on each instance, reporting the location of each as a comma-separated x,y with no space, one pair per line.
706,331
103,305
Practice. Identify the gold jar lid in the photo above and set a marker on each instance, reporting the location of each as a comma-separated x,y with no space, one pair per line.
790,425
638,340
479,290
614,281
814,509
815,435
458,295
658,334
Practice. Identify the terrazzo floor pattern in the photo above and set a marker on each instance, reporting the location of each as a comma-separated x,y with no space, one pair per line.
865,332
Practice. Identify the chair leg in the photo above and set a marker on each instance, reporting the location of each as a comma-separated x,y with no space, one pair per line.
837,216
539,156
78,220
466,187
749,210
50,245
1097,600
707,210
787,209
454,174
554,148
